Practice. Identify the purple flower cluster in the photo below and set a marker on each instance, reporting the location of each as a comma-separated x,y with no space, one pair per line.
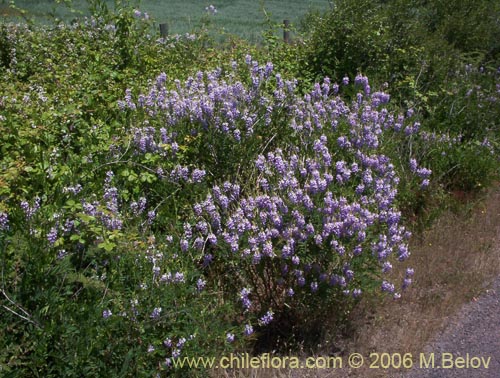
244,293
138,14
266,318
408,278
175,348
180,173
273,225
423,173
362,81
156,313
211,10
176,278
4,221
52,235
139,206
28,210
73,189
107,212
106,314
248,330
200,284
207,102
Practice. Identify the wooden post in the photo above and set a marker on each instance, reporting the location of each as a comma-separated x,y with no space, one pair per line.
163,30
286,31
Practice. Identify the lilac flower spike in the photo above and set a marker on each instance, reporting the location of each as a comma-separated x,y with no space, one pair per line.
156,313
248,330
244,293
266,319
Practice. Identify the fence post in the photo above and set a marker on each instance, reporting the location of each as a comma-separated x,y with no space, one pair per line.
163,30
286,31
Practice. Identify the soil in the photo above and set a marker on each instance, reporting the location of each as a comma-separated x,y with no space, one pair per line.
472,335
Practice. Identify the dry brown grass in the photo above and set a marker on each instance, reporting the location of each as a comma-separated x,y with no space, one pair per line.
454,263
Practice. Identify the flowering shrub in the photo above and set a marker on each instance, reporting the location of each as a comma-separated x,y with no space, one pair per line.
233,197
301,206
148,218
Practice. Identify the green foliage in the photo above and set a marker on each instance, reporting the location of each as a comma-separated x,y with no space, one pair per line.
465,24
60,125
353,37
439,59
59,121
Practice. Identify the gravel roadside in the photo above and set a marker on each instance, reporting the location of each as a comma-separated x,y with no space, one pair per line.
469,346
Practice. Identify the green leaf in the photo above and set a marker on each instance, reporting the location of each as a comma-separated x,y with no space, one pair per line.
85,217
107,246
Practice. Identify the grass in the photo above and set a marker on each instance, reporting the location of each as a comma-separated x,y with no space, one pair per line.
238,17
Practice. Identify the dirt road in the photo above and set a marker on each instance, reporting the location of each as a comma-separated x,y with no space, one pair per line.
469,346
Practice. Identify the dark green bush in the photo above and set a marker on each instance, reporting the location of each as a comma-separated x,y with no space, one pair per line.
440,60
353,37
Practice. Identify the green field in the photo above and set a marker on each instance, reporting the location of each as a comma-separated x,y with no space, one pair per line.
243,18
